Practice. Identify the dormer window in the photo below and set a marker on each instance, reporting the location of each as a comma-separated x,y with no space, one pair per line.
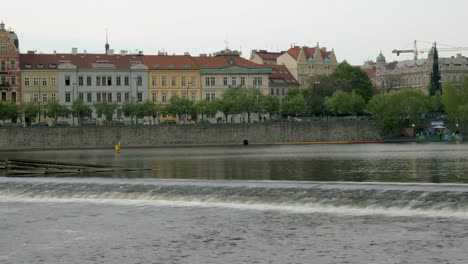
40,66
27,66
53,66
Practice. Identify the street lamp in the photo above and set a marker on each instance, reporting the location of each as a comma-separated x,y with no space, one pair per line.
73,99
39,98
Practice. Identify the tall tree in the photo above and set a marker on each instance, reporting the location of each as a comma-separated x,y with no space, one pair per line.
152,110
356,77
294,104
179,106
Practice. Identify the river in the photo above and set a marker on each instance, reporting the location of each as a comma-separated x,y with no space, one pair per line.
376,203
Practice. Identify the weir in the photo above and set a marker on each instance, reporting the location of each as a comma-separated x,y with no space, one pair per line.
423,199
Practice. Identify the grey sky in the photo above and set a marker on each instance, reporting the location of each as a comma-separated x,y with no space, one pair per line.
356,29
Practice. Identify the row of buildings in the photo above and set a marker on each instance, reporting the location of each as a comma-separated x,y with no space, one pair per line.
120,77
416,73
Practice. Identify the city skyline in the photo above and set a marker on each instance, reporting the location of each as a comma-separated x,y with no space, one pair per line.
357,31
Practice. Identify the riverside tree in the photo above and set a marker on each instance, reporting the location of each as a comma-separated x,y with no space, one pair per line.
106,109
9,110
179,106
55,110
80,109
455,101
321,87
209,108
341,103
30,111
393,109
294,104
152,109
133,110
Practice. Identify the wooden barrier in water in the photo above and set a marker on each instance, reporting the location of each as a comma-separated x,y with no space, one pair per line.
31,168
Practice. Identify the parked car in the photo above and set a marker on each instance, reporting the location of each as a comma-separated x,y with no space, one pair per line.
40,124
89,122
61,124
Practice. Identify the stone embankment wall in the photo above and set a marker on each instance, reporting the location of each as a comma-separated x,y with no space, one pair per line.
147,136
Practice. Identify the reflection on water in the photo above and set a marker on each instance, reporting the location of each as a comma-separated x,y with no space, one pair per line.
437,163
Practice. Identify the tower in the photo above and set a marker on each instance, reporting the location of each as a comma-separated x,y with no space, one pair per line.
107,46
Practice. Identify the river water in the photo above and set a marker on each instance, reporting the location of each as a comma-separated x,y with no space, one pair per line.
256,204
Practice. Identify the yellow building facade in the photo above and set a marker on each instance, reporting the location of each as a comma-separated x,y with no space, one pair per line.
171,76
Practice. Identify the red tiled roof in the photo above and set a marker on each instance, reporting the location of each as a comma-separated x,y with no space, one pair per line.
309,52
269,55
82,61
371,72
223,62
282,73
34,60
175,62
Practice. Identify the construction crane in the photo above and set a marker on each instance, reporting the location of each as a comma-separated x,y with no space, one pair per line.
415,50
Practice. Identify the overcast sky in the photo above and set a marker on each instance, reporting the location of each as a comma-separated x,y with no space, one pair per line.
357,29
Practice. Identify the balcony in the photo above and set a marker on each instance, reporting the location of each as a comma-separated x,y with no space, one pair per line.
4,85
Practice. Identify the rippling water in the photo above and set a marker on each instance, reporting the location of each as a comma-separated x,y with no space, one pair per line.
268,204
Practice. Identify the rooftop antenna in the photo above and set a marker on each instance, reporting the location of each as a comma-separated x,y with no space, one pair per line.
107,41
226,41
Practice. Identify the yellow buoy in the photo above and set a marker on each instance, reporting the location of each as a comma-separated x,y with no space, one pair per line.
117,147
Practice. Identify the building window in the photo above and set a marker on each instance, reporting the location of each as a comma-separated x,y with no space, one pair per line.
153,81
81,96
26,81
13,64
210,96
13,79
139,81
67,97
225,81
184,81
140,97
98,97
184,95
277,91
103,80
3,66
80,80
126,81
44,81
98,81
257,81
154,96
213,81
242,81
193,80
127,97
207,81
36,81
272,91
89,97
4,96
88,80
119,97
118,80
164,81
53,97
174,81
104,97
234,81
13,96
164,97
109,81
109,97
67,80
194,96
119,113
53,81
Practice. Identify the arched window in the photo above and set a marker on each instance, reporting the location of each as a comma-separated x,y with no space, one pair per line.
3,65
13,64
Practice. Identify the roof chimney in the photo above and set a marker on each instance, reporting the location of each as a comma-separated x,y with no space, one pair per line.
74,51
187,53
85,52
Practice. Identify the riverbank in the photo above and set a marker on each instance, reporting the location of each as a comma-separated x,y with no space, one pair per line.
44,138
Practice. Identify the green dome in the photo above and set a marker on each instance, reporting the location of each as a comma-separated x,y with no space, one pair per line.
311,60
381,58
326,61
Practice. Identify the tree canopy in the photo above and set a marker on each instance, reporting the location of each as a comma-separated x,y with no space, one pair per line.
357,79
